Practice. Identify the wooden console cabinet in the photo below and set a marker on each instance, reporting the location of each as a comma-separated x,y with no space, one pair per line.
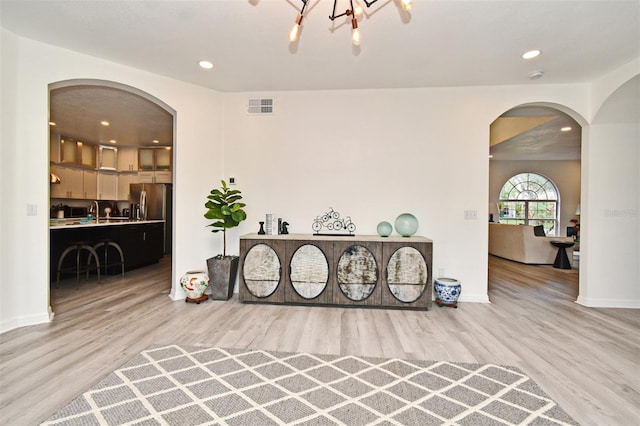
361,270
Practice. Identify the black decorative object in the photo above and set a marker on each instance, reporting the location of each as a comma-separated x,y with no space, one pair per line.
284,228
261,231
331,223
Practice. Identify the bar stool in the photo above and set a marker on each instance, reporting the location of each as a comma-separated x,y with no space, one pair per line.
78,247
106,243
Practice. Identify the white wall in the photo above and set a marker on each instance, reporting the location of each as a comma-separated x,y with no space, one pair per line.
8,76
375,154
565,174
611,231
368,154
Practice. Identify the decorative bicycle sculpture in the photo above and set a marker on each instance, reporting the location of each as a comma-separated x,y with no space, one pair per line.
330,223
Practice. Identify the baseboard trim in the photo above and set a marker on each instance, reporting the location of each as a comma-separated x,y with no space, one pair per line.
608,303
475,298
25,321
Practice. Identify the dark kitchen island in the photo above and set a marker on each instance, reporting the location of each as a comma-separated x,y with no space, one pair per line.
142,242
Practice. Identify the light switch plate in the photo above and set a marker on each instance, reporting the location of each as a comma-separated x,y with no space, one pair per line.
32,210
471,215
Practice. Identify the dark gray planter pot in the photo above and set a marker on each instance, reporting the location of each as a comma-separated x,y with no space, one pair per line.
222,276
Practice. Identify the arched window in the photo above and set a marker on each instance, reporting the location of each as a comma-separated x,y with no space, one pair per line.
530,199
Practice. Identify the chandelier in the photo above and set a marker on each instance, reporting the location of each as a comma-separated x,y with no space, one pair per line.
355,12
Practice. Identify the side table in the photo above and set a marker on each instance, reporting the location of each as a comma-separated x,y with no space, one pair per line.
562,260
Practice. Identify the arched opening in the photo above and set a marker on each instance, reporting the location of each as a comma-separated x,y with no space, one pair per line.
108,140
546,140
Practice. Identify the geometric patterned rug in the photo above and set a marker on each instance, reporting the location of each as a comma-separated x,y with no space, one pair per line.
174,385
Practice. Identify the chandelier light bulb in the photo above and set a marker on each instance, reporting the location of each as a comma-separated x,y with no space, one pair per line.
406,4
295,30
358,10
355,33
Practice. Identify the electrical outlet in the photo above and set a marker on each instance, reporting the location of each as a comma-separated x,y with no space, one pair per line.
32,210
232,181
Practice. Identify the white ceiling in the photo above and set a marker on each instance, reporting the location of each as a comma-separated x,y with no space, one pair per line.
439,43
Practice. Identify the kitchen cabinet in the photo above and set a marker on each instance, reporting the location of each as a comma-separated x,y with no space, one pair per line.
127,159
155,177
59,190
75,152
71,182
107,185
163,158
75,182
154,158
69,151
54,147
124,180
365,270
87,155
108,158
89,185
141,243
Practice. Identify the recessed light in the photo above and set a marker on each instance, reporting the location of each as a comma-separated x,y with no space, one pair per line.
565,129
530,54
490,155
155,141
51,123
112,141
104,123
205,64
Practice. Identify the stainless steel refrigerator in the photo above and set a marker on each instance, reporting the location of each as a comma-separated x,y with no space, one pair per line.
153,201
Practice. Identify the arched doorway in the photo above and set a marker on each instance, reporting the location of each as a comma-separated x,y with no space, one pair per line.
104,125
545,139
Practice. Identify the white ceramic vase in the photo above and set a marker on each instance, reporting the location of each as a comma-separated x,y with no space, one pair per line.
194,283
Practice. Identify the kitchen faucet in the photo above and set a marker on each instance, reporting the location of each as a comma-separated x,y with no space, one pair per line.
97,211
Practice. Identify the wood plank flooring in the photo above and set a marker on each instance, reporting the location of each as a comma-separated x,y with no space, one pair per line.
587,359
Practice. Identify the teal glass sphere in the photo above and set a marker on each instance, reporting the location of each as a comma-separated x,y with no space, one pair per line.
384,229
406,224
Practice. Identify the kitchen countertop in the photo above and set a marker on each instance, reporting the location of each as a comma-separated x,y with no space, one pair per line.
76,223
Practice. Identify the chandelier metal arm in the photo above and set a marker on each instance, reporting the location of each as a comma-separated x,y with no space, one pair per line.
304,5
348,12
353,12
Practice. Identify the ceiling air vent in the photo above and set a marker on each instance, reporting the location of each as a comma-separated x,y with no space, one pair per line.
260,106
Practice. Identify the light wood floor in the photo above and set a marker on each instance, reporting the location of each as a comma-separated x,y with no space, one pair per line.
587,359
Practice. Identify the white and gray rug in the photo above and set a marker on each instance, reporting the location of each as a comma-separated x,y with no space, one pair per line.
174,385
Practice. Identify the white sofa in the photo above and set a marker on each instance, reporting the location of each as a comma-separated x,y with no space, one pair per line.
519,243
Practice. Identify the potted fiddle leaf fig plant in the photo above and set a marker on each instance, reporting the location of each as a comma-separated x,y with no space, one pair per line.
225,209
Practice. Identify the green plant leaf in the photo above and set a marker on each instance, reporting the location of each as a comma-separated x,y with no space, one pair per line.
224,208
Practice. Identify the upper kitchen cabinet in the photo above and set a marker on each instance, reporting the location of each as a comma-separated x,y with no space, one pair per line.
154,158
127,159
108,158
87,155
74,152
